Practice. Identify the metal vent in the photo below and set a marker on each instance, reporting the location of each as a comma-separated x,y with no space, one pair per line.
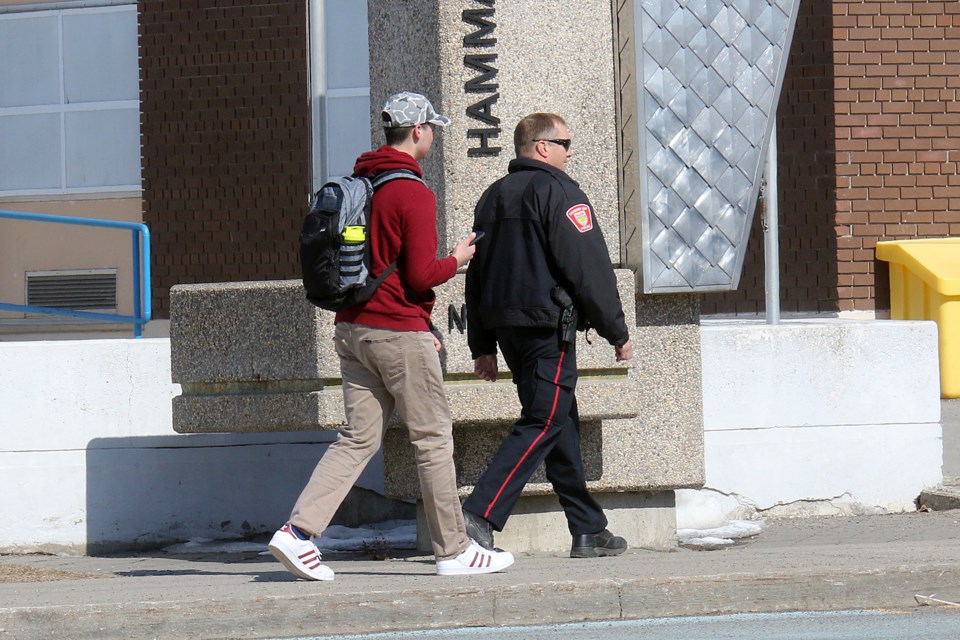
81,289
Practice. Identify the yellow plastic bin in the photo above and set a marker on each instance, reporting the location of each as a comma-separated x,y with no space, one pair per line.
925,285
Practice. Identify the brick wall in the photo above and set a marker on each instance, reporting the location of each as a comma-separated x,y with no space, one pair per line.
869,128
225,127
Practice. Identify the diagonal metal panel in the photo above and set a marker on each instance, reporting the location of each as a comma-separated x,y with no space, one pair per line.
710,75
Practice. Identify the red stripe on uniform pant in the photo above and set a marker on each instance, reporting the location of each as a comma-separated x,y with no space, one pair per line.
553,410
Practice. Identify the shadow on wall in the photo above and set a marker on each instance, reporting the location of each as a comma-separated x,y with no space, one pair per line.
807,177
147,492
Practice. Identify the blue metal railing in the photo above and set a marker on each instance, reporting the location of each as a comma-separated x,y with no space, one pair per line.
141,271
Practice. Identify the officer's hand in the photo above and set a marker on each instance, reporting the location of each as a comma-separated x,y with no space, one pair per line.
486,367
625,351
463,251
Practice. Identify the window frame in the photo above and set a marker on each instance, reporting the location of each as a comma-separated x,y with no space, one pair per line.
321,95
64,109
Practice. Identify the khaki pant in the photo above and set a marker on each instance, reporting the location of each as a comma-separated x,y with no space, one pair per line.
383,370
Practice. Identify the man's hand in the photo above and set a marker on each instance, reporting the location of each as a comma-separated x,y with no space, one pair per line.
436,343
486,367
463,251
625,351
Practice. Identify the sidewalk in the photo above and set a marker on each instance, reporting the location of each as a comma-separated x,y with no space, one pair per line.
878,561
804,564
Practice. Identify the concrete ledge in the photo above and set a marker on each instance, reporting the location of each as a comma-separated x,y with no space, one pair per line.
295,406
257,357
819,372
816,417
815,470
247,332
257,333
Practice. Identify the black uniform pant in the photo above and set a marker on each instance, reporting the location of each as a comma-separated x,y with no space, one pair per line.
548,431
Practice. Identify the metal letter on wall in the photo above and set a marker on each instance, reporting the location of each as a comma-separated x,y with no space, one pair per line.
710,74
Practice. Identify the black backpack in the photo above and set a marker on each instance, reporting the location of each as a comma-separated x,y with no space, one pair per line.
334,246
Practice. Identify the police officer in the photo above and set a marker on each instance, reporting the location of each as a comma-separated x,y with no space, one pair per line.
541,270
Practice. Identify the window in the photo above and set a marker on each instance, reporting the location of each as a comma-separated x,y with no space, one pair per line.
341,86
69,107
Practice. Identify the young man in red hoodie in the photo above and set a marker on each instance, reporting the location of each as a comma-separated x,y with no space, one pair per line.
389,360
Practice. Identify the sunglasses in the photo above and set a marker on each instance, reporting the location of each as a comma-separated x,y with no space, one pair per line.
565,143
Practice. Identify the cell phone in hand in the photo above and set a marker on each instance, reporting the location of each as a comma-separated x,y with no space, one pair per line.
479,235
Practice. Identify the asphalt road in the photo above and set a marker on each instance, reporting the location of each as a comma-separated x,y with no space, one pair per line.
920,623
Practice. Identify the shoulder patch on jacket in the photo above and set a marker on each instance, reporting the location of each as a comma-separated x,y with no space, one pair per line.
581,217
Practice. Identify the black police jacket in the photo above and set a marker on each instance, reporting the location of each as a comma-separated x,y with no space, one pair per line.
540,232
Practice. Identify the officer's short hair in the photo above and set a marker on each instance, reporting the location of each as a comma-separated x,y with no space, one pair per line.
534,126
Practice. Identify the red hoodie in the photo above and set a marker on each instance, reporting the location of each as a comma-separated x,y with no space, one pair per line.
403,227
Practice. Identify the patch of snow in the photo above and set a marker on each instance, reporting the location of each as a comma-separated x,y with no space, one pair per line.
392,534
723,536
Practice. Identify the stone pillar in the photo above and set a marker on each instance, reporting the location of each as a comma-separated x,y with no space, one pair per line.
539,56
486,65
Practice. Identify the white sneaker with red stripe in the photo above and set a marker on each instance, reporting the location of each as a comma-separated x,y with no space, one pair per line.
475,559
300,557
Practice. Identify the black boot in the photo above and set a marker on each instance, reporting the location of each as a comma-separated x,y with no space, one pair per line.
594,545
478,529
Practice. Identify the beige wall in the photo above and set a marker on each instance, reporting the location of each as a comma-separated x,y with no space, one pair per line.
41,246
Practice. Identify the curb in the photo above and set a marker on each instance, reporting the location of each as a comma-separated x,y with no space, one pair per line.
555,602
